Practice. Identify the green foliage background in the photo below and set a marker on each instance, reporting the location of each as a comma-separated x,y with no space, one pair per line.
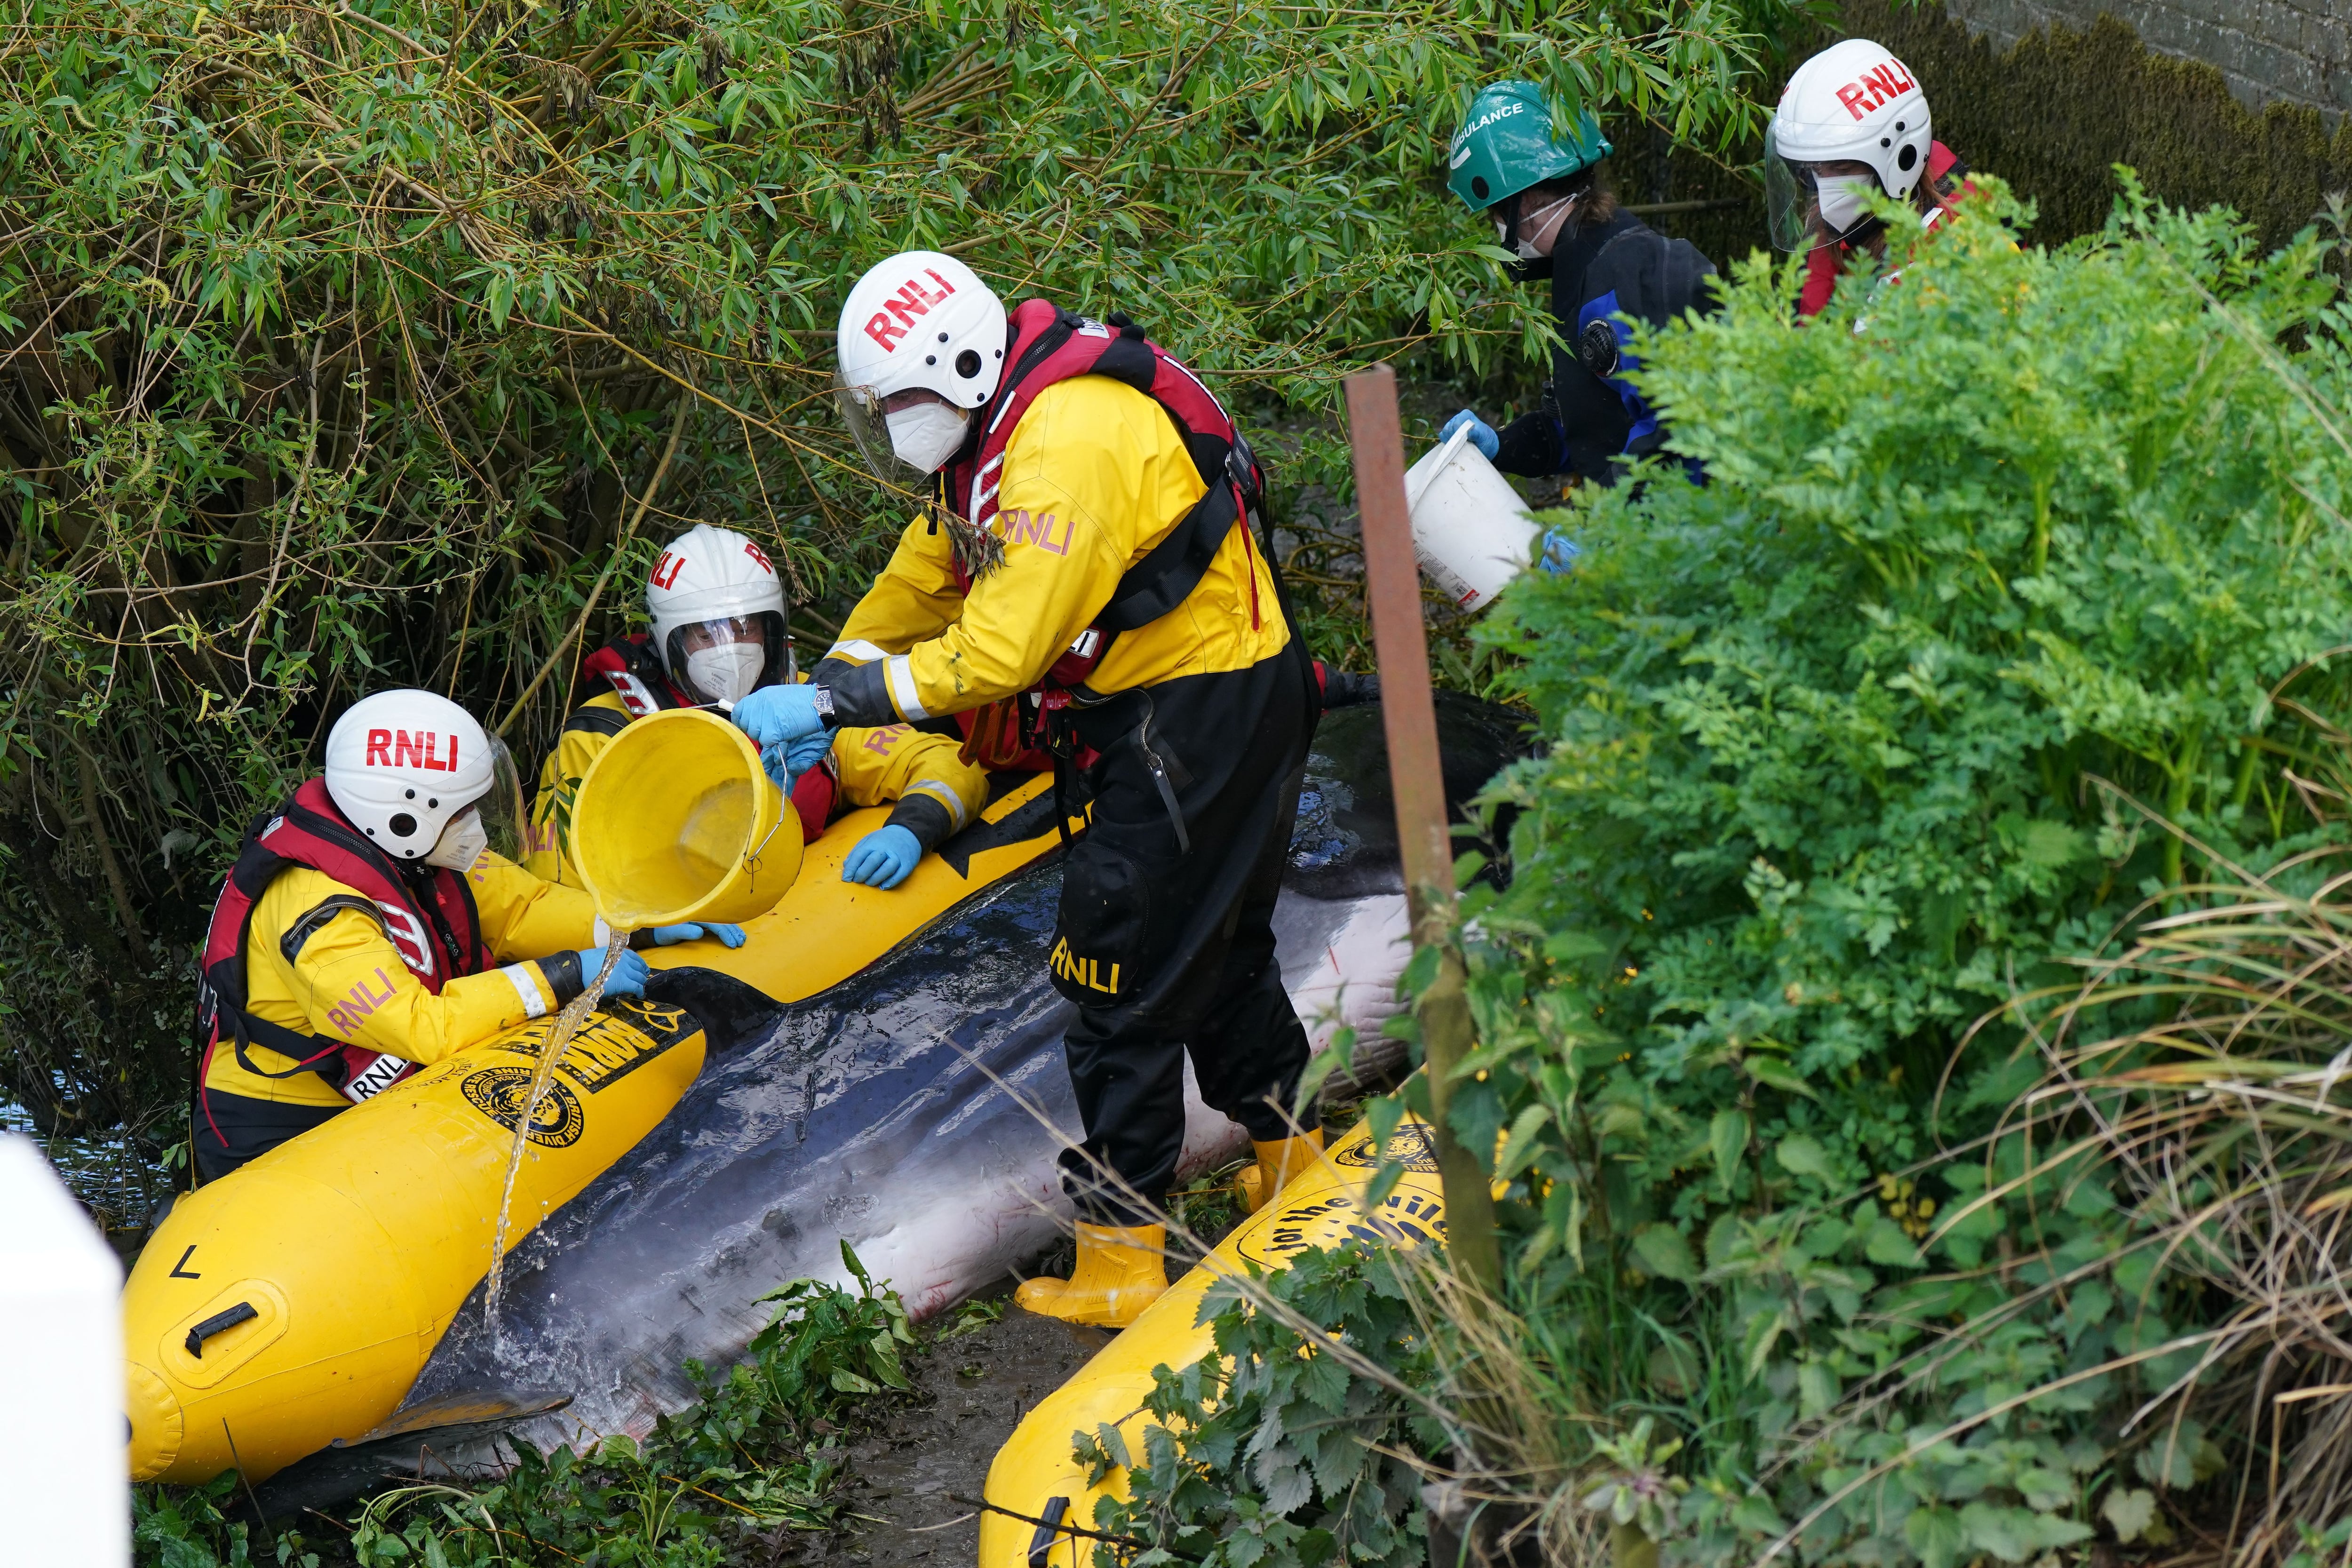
2008,618
339,345
1996,570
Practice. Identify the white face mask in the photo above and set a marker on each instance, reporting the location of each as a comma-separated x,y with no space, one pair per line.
926,434
461,842
1841,200
726,673
1531,225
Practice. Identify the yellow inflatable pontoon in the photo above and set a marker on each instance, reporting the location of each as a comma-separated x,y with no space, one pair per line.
1035,1485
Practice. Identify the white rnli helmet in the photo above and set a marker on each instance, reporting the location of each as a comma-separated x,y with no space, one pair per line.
1852,116
919,322
402,765
718,613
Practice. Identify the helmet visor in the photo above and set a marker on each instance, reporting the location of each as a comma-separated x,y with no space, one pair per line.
1793,200
722,660
862,411
1812,203
502,808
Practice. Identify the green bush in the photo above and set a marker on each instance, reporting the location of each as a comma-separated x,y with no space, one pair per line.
1852,740
1278,1452
1996,570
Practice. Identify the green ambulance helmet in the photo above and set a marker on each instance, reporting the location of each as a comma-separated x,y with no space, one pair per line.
1505,145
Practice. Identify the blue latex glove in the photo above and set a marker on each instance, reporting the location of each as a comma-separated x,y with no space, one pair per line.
807,752
785,761
1482,436
694,930
1557,552
779,715
629,976
883,858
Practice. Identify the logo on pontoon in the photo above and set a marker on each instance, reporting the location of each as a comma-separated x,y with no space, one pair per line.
610,1045
1410,1146
499,1093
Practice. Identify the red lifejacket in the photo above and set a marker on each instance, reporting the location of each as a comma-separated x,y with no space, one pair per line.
1048,345
436,940
634,670
1825,263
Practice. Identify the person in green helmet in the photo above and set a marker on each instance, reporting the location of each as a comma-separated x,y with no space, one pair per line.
1548,194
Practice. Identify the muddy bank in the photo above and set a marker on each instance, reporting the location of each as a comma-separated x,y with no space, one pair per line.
970,1390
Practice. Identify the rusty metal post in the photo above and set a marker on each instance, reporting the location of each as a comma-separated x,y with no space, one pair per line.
1392,588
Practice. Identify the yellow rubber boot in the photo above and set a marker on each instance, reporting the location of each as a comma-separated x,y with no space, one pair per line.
1277,1162
1120,1271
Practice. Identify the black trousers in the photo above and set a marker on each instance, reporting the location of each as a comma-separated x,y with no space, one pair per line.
234,1127
1165,939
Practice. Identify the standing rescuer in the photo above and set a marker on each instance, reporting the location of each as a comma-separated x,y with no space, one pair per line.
717,636
1085,578
368,928
1852,125
1551,203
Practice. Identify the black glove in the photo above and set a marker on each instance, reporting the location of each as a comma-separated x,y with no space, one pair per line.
1532,446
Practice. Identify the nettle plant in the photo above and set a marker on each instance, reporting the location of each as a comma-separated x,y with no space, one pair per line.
1999,568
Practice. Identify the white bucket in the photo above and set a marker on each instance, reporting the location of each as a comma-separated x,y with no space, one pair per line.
1470,530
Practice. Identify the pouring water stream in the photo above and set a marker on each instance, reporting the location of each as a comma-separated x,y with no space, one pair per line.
559,1038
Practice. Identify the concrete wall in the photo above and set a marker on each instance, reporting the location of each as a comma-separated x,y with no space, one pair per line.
2298,51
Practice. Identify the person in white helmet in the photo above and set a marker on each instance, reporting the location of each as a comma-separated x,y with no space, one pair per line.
1085,579
717,635
368,926
1852,125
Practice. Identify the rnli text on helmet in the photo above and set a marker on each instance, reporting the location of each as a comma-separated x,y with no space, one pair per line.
402,748
666,570
910,302
1886,81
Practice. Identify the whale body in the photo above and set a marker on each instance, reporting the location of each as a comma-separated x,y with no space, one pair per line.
913,1110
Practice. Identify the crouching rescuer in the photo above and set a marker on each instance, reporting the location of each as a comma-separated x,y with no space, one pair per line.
1084,579
718,633
368,928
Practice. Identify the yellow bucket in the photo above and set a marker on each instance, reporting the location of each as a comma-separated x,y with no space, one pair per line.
676,821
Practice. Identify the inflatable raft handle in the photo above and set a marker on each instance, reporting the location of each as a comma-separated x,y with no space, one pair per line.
219,1322
1049,1530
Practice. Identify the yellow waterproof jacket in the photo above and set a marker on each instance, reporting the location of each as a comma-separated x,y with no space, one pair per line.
874,766
1095,475
333,973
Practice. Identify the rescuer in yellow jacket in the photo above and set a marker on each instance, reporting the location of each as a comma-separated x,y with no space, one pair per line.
718,635
1085,578
367,928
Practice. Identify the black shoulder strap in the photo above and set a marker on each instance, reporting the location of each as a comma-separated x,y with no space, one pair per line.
606,722
1165,577
297,936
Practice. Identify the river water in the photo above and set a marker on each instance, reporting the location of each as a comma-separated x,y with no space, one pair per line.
113,1180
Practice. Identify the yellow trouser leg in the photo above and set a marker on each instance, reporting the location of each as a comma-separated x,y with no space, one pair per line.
1120,1271
1278,1162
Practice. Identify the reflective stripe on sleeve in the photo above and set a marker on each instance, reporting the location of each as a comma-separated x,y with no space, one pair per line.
902,688
939,790
856,648
525,981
